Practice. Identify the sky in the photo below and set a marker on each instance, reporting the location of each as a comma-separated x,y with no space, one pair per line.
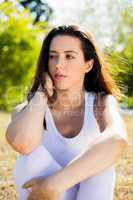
66,10
102,22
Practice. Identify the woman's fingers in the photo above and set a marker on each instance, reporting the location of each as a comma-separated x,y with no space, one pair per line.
49,87
30,197
28,184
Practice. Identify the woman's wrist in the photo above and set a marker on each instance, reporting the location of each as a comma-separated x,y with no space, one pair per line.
65,181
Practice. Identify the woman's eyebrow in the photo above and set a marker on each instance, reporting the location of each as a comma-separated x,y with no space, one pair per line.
68,51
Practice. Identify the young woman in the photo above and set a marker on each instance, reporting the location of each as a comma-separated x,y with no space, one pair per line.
69,132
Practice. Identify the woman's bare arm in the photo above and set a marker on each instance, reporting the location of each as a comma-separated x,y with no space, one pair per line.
25,129
102,153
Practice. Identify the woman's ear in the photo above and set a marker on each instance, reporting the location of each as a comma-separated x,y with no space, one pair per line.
89,65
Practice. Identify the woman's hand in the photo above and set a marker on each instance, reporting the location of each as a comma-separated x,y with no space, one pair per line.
48,84
44,188
48,88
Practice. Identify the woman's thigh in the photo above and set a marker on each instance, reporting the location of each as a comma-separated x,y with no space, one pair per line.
99,187
38,163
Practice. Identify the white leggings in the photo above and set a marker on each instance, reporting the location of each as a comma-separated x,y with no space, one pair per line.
41,163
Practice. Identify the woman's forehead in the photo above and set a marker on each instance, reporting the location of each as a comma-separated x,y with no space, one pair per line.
68,43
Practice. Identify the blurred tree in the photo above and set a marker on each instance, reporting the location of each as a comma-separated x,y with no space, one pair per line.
40,9
101,18
19,48
121,52
120,55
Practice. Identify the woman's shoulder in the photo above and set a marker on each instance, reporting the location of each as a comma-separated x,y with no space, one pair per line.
104,103
102,100
18,108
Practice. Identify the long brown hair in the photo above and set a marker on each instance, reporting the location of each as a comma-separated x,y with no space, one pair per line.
97,80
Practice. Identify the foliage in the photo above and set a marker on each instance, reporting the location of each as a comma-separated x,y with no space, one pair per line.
39,8
19,48
121,56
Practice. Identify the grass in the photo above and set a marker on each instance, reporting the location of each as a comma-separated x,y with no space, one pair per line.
130,102
124,183
124,180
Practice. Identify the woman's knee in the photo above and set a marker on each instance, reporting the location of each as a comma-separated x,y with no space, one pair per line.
103,182
36,163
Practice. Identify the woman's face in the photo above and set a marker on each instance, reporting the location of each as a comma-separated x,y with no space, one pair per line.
66,63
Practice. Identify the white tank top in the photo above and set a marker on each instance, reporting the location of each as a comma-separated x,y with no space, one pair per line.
65,149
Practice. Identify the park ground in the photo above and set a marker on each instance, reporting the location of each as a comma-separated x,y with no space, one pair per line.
124,167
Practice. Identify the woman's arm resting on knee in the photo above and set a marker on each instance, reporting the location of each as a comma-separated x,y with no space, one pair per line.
25,129
105,150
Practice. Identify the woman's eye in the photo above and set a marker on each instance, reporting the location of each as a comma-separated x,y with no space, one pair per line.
51,56
69,56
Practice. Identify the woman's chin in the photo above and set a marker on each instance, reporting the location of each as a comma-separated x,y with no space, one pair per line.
61,87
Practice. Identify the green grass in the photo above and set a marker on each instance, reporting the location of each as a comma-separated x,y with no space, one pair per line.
124,167
130,102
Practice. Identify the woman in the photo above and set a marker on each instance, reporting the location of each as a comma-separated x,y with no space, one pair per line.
69,132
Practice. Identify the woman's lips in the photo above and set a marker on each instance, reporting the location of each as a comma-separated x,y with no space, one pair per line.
59,77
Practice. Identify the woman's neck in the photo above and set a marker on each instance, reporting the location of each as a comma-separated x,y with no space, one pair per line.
69,100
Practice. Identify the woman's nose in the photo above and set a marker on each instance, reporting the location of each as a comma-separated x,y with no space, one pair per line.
59,64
